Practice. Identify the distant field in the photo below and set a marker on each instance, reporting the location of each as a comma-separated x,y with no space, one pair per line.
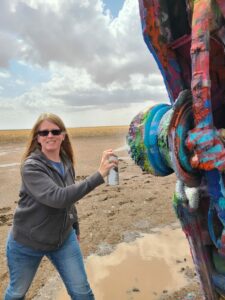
12,136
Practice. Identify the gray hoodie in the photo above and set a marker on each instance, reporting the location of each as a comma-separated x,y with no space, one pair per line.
46,213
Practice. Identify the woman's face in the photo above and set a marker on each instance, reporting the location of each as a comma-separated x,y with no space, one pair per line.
50,138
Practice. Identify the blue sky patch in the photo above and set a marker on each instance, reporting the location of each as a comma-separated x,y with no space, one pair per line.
22,78
114,6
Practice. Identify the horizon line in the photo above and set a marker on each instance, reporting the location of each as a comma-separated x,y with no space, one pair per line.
70,127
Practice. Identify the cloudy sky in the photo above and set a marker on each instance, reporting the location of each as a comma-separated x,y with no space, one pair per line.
84,60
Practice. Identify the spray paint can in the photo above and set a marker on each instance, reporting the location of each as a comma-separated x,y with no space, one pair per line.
113,176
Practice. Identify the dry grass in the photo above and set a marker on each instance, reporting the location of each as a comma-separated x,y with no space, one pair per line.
12,136
98,131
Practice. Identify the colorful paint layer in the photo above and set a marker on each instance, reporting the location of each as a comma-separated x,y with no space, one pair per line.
187,137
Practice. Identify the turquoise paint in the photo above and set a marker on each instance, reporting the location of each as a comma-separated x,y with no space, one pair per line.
216,149
221,203
205,122
205,138
180,130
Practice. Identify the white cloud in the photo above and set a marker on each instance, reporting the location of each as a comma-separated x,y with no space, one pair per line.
95,62
4,74
79,34
75,88
20,82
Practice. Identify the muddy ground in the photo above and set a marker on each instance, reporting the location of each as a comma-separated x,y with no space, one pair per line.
140,203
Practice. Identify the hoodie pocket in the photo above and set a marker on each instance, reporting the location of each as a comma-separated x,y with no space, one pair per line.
48,232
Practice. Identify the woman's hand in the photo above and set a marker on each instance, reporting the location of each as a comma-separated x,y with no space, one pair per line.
105,164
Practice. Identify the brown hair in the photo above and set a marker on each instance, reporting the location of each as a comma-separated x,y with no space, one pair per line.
33,144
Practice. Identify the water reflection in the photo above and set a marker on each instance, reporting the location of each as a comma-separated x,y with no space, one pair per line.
140,270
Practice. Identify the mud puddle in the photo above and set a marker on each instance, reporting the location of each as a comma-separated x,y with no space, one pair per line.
152,265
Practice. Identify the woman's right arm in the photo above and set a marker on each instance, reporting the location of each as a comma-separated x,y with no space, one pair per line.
41,186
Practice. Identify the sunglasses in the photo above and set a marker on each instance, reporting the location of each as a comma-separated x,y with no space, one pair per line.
46,132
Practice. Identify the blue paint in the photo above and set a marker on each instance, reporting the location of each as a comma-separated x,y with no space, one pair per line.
215,149
206,159
179,130
207,104
175,65
205,138
182,155
213,179
207,121
221,203
151,140
152,50
219,281
218,163
217,202
194,135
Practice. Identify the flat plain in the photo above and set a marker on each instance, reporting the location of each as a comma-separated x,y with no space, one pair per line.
140,203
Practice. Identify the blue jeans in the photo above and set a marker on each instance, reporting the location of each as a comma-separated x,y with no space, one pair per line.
23,263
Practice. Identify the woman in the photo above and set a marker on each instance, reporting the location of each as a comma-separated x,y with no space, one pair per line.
45,219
